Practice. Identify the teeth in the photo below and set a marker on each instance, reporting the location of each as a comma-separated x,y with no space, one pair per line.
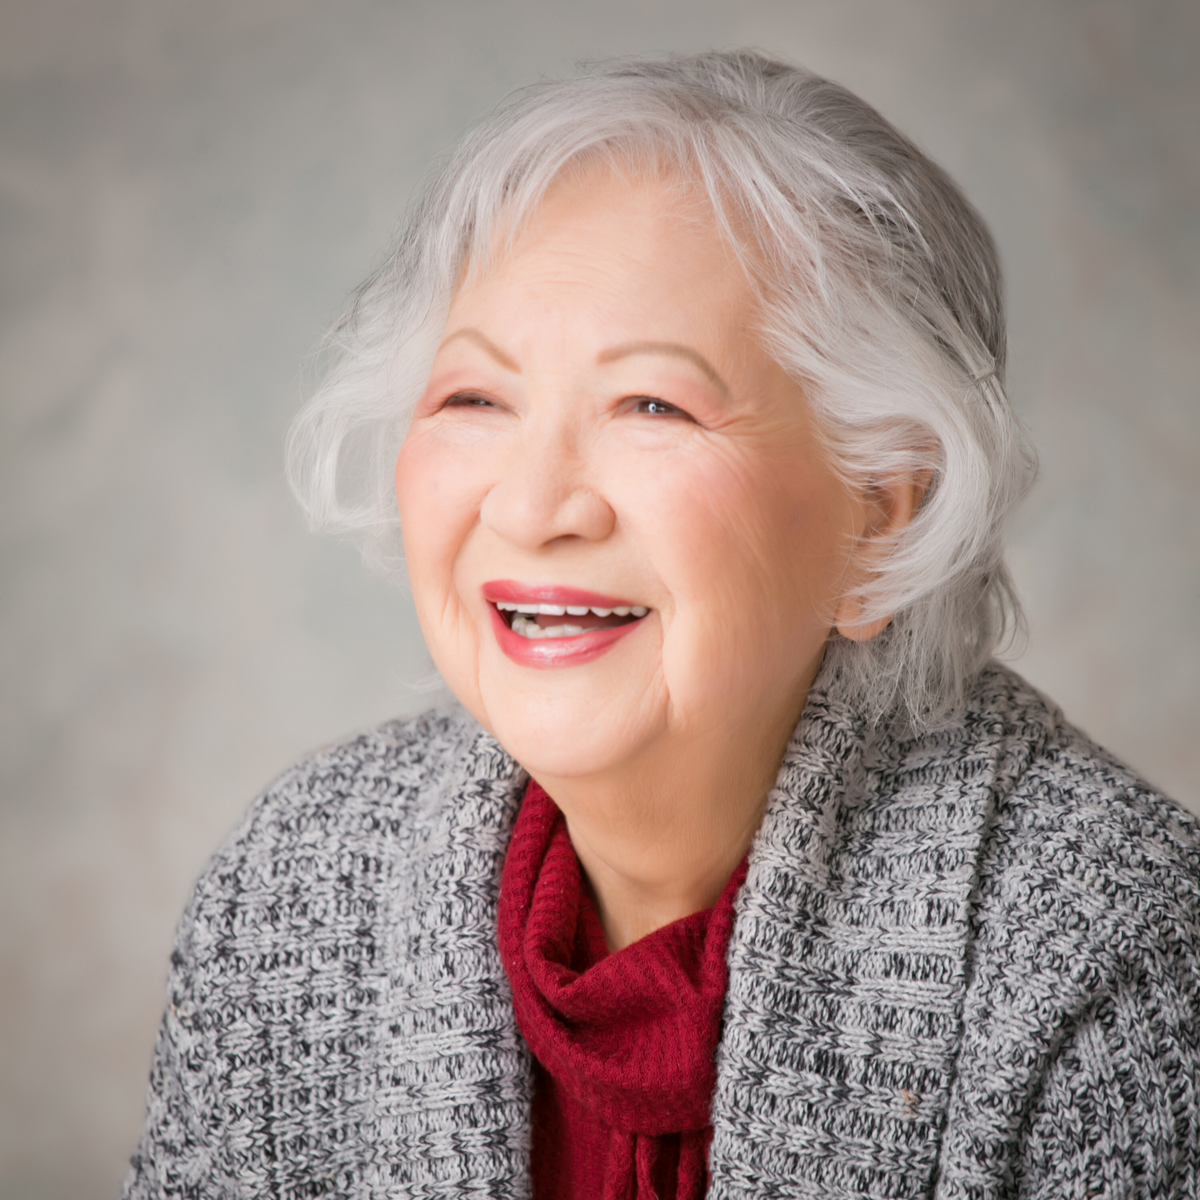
529,628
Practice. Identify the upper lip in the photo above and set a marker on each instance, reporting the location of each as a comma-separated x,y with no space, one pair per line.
511,592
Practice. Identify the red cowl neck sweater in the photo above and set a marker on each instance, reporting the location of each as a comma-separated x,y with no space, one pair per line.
624,1043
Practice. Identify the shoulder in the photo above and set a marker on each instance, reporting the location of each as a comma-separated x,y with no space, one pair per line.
342,820
374,777
1083,977
1070,819
1086,904
313,885
342,930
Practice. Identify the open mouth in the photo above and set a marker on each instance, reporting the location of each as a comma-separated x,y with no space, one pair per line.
538,620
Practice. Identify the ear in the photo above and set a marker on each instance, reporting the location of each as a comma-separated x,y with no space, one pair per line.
888,508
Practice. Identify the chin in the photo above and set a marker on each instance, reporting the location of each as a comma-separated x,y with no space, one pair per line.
573,722
553,739
556,754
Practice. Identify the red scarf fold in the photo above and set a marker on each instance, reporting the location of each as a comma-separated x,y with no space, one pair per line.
626,1042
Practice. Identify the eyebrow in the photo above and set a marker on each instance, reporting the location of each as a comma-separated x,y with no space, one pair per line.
697,360
486,344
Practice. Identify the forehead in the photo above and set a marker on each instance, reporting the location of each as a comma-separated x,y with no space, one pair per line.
646,239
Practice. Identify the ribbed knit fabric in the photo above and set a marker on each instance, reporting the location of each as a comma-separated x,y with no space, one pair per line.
627,1040
965,965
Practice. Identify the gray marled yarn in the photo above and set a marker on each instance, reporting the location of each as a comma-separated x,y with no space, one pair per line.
965,964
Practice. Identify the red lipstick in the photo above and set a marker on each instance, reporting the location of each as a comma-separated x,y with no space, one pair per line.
558,651
548,593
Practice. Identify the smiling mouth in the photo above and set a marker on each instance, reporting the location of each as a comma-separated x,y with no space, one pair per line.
534,621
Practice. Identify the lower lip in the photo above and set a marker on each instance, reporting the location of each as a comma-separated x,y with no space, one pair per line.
560,651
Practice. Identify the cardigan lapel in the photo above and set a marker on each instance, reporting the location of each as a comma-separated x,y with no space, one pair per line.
848,965
453,1086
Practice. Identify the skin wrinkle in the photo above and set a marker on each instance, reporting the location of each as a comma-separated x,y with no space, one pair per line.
722,515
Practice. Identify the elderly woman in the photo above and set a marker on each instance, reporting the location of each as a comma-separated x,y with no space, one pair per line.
742,870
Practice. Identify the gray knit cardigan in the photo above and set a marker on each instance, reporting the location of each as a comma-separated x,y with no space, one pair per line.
965,964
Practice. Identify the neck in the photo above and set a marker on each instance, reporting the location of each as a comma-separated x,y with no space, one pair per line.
659,839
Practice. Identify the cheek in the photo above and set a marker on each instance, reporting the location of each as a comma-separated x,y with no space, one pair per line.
437,514
757,573
428,476
416,499
437,501
755,536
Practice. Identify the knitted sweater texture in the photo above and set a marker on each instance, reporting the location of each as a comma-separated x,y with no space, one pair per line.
965,964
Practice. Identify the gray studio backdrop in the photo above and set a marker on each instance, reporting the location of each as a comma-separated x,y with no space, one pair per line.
188,192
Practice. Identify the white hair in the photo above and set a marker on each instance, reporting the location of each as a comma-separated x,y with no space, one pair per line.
881,295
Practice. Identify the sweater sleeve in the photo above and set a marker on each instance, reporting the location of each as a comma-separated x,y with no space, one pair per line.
1118,1113
180,1152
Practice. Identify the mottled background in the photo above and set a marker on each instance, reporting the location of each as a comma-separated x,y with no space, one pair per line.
189,191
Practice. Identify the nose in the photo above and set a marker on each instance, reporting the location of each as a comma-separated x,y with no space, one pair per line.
543,495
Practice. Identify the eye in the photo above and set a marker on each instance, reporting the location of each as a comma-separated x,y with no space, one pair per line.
657,408
468,400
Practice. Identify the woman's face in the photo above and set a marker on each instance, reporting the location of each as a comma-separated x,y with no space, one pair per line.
602,433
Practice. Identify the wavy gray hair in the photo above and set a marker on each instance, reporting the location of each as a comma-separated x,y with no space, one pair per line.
881,295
